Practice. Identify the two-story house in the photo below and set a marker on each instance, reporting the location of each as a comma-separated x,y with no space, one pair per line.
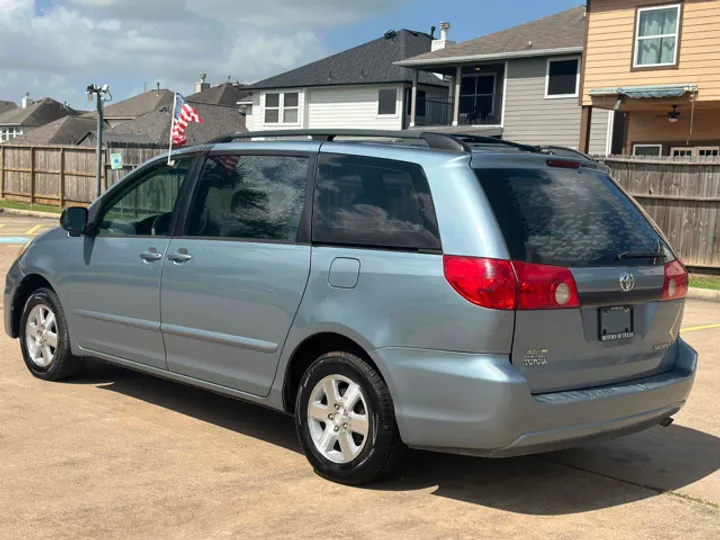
656,64
521,83
360,88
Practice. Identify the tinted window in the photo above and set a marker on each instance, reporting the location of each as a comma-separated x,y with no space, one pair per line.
374,202
566,217
145,205
562,78
387,101
250,197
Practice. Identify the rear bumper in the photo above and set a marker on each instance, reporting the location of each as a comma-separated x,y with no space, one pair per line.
481,405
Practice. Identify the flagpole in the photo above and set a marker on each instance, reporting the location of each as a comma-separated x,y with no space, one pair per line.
172,125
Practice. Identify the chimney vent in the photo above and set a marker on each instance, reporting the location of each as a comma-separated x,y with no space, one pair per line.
202,84
443,42
26,101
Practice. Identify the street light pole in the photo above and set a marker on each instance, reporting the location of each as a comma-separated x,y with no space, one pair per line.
100,94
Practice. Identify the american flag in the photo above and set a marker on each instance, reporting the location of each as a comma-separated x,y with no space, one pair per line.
184,114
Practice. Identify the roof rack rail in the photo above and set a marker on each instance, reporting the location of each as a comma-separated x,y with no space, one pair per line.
453,142
481,139
436,141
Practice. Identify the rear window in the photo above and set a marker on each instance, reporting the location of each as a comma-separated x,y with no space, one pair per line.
564,217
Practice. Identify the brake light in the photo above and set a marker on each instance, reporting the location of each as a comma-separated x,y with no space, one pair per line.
505,285
676,281
563,164
489,283
545,287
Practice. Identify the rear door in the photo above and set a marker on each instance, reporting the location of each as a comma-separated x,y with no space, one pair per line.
234,278
581,220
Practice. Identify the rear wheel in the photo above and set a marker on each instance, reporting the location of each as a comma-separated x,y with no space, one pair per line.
345,420
44,338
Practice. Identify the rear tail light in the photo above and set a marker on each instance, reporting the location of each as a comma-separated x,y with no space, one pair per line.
488,283
676,281
545,287
505,285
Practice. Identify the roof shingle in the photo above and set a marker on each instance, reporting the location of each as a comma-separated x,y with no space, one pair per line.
154,126
133,107
565,30
38,114
68,130
369,63
223,94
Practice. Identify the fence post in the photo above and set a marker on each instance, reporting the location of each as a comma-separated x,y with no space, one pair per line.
62,178
2,172
32,175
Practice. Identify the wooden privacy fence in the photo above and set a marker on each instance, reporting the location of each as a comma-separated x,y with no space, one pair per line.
61,175
683,197
681,194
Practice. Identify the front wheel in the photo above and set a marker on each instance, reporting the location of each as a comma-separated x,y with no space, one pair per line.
345,420
44,338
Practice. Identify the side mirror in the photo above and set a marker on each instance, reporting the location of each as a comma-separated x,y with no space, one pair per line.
74,219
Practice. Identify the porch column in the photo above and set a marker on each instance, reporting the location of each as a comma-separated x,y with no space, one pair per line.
413,98
456,96
585,124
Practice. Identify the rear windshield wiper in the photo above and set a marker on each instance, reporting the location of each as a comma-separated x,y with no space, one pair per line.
627,255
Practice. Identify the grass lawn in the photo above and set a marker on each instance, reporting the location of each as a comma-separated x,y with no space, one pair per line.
705,282
27,206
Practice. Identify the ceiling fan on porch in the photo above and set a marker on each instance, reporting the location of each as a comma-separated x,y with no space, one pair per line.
673,116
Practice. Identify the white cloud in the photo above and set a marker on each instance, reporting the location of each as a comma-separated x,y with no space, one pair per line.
130,42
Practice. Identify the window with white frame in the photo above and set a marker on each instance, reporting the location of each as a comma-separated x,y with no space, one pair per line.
647,150
708,151
656,36
682,151
563,78
9,133
282,108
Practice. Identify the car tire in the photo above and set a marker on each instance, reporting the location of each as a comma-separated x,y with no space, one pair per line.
44,338
340,397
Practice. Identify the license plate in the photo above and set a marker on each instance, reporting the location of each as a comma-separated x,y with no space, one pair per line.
616,323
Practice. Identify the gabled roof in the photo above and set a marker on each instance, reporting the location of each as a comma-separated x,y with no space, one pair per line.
154,126
67,130
560,33
6,106
223,94
135,106
38,114
369,63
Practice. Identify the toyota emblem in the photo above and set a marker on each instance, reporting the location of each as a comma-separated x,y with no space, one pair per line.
627,282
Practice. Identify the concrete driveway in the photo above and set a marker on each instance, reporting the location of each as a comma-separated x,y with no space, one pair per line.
120,455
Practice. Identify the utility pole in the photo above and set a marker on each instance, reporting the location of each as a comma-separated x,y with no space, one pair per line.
102,94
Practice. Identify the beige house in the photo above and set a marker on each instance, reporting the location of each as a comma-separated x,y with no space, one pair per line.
655,63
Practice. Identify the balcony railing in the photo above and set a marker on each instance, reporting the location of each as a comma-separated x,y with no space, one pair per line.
473,111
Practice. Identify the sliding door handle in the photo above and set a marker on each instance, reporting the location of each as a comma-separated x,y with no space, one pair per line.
151,255
180,257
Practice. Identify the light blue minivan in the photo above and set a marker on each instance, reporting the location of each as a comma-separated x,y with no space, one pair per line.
445,292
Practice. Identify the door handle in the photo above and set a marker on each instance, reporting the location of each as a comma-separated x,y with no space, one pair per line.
180,257
151,255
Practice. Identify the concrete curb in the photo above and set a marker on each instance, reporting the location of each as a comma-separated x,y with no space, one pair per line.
29,213
706,295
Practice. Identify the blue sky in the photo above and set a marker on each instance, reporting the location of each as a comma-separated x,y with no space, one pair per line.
468,18
56,47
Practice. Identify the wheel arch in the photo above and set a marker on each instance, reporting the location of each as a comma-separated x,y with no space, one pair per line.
29,284
309,350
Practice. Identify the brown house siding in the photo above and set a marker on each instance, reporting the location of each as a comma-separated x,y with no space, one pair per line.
611,39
